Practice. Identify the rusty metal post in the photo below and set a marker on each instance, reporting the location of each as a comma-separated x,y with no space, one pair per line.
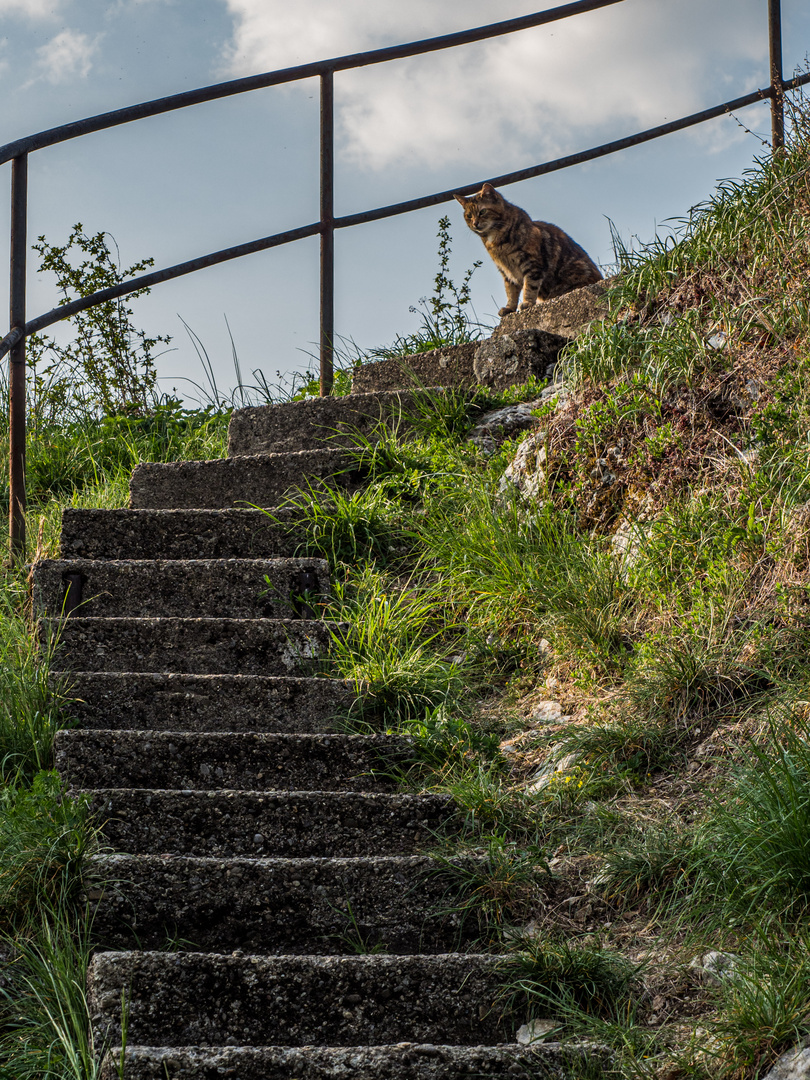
777,82
16,375
327,232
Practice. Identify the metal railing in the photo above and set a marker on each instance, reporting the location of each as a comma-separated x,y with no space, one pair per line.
17,152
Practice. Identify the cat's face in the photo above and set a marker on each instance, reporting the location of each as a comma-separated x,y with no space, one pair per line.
483,211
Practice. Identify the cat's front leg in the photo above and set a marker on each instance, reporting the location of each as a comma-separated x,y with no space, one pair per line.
512,295
530,291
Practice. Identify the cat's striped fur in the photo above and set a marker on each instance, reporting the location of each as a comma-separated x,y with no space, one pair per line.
533,256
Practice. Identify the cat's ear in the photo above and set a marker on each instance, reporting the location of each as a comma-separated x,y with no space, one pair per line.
489,191
461,198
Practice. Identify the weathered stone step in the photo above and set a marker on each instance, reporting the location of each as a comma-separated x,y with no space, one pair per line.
315,906
178,534
450,366
182,999
295,824
144,588
403,1061
259,480
324,421
245,762
194,646
164,701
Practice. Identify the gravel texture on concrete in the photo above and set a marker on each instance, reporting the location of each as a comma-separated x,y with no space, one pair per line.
318,906
566,315
215,646
181,999
188,588
291,824
241,761
326,421
452,366
258,480
512,359
163,701
178,534
403,1061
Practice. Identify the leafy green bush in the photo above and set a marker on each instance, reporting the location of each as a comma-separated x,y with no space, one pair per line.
108,367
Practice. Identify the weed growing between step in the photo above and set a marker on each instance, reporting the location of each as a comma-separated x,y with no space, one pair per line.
664,814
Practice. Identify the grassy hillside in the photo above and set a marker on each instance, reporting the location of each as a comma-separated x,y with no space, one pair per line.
611,676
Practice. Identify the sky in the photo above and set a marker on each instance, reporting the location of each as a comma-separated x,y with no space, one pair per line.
180,185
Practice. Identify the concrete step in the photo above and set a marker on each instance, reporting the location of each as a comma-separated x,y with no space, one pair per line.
193,646
258,480
144,588
450,366
245,762
325,421
182,999
315,906
161,701
178,534
295,824
403,1061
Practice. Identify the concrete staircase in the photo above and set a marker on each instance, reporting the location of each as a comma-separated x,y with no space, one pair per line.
266,910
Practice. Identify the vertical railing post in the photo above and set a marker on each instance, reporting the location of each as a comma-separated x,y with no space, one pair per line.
16,380
777,83
327,231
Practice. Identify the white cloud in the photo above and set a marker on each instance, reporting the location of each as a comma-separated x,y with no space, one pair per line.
67,56
33,9
537,93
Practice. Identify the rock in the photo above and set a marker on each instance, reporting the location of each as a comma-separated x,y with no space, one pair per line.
496,427
553,767
794,1065
715,967
535,1031
511,359
555,389
718,340
565,315
547,712
526,474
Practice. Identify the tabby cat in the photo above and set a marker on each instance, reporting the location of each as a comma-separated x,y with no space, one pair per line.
534,256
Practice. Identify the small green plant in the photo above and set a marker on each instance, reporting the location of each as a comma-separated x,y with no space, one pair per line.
45,1030
762,825
500,883
562,978
445,739
357,938
398,646
43,836
445,316
344,527
109,365
662,860
764,1006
